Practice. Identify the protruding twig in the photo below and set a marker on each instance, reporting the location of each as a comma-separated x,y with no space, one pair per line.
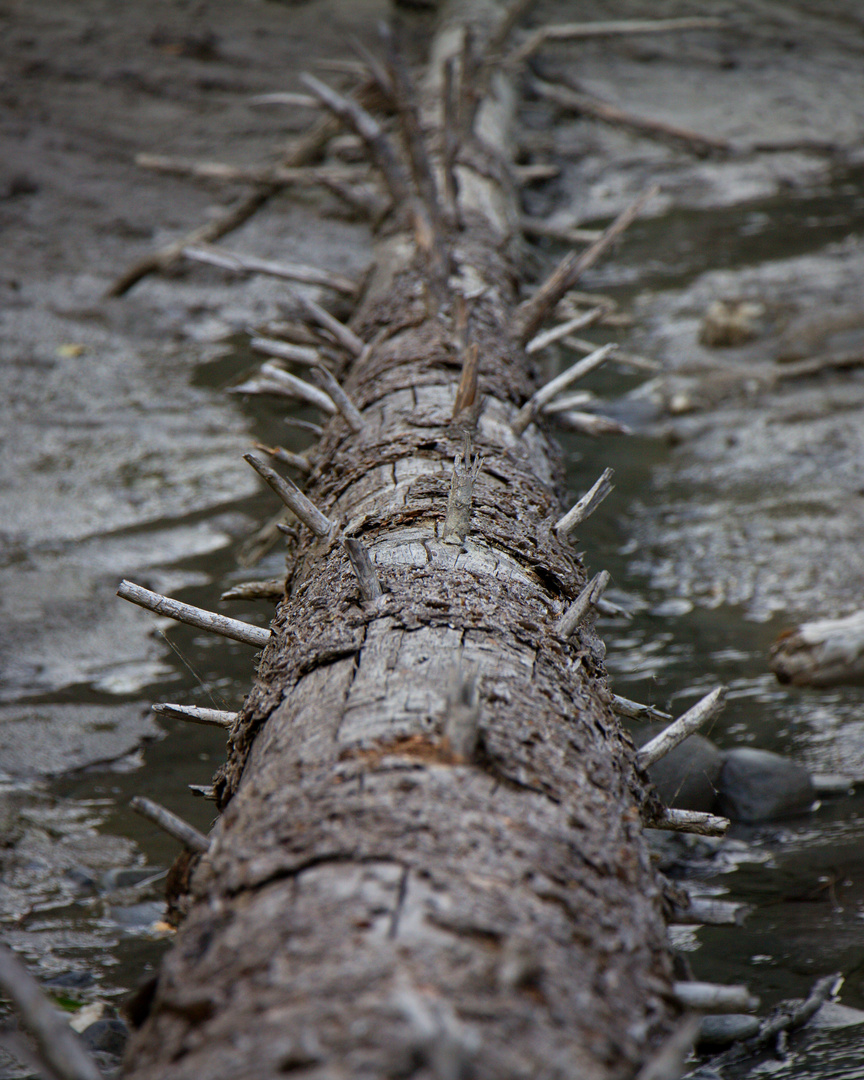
340,399
690,821
640,363
704,911
713,998
579,322
194,616
181,830
285,350
531,313
251,264
593,424
204,791
582,604
304,425
569,401
707,709
622,706
575,372
582,31
601,110
293,497
275,380
293,101
466,392
450,127
271,589
532,226
461,724
342,333
377,71
586,505
59,1047
465,472
363,567
369,130
412,132
287,457
196,715
247,174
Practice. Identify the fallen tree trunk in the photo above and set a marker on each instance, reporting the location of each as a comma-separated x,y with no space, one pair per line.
430,858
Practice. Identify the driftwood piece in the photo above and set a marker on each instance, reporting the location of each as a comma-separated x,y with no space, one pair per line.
615,28
827,652
58,1046
408,879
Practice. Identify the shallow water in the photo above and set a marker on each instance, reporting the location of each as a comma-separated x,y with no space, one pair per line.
805,877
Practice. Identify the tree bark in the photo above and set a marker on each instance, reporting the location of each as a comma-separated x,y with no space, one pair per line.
430,859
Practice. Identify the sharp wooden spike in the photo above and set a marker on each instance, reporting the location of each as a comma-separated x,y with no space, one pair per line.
196,715
691,821
467,390
531,313
340,399
369,130
194,616
586,505
175,826
457,523
582,604
575,372
363,567
293,497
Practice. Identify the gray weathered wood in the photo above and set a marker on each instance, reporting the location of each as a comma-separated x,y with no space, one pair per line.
258,636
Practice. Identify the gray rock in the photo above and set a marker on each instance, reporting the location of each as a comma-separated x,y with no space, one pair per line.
107,1036
756,785
722,1030
686,778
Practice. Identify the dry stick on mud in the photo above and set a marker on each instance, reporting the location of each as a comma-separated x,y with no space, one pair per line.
404,880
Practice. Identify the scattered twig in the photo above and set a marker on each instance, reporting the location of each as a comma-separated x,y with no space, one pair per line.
704,710
363,567
531,313
251,264
582,604
583,31
222,171
641,363
58,1045
194,616
293,101
196,715
293,497
554,387
611,114
586,505
175,826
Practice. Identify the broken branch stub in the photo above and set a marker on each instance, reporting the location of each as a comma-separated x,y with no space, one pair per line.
545,394
170,823
582,604
586,505
465,472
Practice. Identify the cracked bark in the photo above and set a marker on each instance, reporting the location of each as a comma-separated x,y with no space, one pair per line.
376,902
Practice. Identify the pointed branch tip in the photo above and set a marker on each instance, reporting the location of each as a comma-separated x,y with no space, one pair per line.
257,636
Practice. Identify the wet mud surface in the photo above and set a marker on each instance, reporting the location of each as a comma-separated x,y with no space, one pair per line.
738,505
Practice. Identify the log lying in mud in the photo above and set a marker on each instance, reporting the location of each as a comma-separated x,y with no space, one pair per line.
827,652
430,859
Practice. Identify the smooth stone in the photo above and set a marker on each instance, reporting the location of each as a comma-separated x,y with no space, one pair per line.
106,1036
834,1015
832,783
723,1030
757,785
686,778
70,980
